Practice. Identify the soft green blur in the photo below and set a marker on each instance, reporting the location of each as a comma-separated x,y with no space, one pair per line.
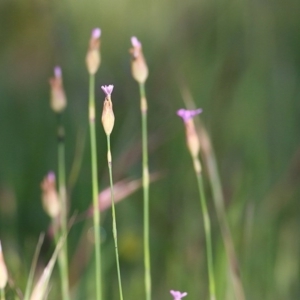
240,60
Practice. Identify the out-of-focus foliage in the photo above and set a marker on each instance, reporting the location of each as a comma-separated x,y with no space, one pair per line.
241,62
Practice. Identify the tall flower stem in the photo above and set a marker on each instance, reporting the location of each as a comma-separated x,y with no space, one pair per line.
207,229
2,294
109,161
96,213
63,256
144,109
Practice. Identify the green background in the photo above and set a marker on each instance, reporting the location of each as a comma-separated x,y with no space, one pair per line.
241,62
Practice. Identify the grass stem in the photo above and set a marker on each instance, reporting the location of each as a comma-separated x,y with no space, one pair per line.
2,294
207,229
109,161
144,109
63,256
96,212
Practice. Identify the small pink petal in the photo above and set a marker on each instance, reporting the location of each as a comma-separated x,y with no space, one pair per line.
135,42
177,295
57,72
107,89
51,176
96,33
186,114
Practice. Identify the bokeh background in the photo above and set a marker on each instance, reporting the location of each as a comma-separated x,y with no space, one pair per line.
240,61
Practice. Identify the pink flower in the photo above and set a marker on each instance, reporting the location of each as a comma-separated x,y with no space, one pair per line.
96,33
135,43
186,114
107,89
57,72
177,295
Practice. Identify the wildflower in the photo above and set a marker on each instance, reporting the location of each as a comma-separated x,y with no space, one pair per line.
188,114
177,295
139,67
50,197
3,270
192,138
108,118
93,57
58,101
191,133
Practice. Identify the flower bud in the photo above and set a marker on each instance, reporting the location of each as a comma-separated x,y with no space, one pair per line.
3,270
139,67
108,117
93,57
58,100
192,138
50,199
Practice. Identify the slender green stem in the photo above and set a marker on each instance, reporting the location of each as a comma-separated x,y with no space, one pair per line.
96,212
63,256
33,267
145,192
2,294
206,220
216,186
109,161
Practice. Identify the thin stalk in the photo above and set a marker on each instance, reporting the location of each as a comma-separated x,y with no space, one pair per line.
109,161
207,230
2,294
63,256
33,267
144,109
96,213
216,186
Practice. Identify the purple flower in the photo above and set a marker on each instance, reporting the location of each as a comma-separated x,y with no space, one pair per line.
177,295
135,42
96,33
51,176
57,72
186,114
107,89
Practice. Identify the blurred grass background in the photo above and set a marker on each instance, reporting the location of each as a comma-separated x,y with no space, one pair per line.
241,62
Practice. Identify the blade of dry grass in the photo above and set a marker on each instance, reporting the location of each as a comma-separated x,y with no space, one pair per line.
210,161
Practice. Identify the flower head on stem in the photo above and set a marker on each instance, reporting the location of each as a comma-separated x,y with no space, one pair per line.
139,66
108,117
186,114
93,57
50,197
177,295
3,270
58,101
192,138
